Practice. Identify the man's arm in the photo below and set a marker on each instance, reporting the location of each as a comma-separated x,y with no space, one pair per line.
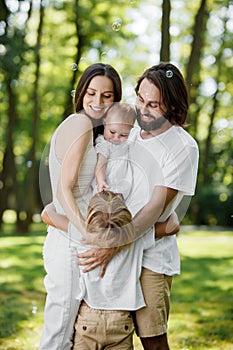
150,213
142,221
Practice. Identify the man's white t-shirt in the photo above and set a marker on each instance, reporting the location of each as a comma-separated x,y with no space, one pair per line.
156,161
171,160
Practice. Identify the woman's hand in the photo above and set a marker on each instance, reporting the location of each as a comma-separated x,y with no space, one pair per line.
170,227
97,256
46,214
50,217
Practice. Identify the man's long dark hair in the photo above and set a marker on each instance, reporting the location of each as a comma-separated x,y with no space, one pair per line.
170,82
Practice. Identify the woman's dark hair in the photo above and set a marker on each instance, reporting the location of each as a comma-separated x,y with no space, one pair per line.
170,82
91,72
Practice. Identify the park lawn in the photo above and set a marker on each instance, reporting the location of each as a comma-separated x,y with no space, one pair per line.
202,297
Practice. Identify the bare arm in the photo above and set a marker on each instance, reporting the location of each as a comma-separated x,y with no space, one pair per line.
71,163
150,213
170,227
100,172
142,221
52,218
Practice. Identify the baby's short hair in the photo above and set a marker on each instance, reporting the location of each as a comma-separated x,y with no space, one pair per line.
125,113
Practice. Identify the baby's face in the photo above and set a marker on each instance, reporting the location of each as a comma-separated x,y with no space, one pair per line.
116,132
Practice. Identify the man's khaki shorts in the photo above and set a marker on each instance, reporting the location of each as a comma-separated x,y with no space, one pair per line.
152,320
97,329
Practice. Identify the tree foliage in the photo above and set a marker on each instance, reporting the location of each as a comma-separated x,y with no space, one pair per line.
45,46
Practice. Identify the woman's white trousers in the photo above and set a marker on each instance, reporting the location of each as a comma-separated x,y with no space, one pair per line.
62,286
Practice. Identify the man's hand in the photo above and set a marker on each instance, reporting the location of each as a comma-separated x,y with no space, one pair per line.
95,257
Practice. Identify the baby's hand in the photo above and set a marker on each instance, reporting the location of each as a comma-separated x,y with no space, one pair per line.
102,185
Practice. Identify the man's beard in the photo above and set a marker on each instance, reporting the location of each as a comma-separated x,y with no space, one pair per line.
154,124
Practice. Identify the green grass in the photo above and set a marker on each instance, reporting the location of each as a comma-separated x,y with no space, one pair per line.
201,303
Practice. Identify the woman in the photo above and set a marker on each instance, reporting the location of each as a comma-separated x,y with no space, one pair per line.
72,161
104,318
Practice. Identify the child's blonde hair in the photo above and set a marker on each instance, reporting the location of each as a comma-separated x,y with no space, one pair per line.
125,113
107,213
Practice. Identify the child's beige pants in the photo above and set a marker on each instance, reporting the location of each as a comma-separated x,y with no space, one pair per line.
103,329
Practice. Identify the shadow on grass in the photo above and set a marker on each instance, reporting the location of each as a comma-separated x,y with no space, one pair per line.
204,293
201,305
22,272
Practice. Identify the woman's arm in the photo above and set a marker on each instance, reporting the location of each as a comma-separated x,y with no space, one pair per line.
170,227
52,218
79,134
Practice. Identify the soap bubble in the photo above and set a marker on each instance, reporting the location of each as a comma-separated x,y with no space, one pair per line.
72,93
116,25
74,67
34,310
221,133
104,54
169,73
29,163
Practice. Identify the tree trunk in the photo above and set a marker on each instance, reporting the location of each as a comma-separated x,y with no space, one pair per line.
207,148
165,35
8,177
69,107
193,67
32,177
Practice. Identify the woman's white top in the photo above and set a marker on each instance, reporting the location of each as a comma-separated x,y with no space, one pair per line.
82,190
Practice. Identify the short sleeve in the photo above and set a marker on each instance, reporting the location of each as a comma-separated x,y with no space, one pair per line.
180,170
102,146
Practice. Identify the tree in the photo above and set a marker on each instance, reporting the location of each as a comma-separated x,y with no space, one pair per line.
193,66
165,25
12,61
32,164
214,184
40,62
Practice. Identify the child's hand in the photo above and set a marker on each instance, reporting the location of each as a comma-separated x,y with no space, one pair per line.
102,185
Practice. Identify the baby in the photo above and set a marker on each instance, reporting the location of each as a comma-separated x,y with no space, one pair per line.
113,169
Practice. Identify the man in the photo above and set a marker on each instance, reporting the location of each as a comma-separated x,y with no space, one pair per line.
165,162
162,105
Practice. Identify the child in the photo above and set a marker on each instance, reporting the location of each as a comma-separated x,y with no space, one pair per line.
104,315
113,170
105,303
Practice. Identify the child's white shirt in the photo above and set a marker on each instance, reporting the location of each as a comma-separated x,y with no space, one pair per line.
118,170
120,288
